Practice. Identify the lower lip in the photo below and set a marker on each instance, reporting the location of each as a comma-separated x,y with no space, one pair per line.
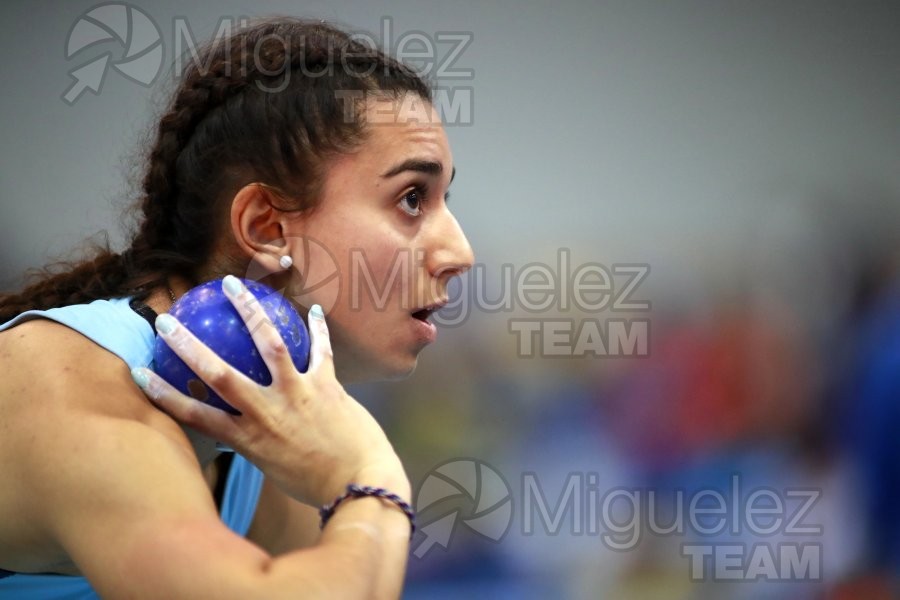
425,330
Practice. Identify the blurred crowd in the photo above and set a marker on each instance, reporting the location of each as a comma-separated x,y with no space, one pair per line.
780,371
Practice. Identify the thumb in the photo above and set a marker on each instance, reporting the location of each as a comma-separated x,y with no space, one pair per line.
321,356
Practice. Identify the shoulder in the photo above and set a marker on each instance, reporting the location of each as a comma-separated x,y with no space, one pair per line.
46,362
73,422
110,324
99,482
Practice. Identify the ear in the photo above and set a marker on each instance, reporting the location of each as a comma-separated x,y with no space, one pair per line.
257,226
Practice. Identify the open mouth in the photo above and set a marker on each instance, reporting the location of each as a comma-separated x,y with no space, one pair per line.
423,314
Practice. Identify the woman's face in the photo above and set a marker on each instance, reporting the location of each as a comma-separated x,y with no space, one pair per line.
382,245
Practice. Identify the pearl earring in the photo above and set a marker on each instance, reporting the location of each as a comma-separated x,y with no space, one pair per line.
285,261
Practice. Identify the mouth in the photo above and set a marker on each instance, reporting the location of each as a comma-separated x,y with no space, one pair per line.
425,330
423,314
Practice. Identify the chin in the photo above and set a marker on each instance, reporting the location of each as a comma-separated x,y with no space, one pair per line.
377,372
401,374
395,372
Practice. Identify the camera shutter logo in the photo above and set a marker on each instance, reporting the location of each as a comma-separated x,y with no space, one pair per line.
114,21
322,287
464,478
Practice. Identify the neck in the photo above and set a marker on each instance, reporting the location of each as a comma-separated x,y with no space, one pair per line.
160,300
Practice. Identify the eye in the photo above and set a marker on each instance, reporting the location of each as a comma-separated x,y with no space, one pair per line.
411,202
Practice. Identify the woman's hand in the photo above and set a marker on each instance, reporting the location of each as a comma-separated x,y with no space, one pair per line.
304,431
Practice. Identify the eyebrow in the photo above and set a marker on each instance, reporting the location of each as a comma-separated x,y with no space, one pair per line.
429,167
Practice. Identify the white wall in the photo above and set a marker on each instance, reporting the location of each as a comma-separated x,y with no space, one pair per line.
631,129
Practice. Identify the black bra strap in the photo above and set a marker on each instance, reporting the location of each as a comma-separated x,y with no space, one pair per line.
145,311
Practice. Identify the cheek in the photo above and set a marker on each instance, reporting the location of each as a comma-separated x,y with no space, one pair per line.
377,270
316,275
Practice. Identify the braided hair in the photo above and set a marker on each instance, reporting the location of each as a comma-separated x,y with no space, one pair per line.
269,104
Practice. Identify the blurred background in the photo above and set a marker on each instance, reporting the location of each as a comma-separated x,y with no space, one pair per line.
745,155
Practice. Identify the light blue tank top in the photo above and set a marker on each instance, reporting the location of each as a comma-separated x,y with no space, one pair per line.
113,325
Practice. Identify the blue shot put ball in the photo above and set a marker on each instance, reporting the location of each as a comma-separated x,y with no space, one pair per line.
208,313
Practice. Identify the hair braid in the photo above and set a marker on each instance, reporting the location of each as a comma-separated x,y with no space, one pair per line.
261,105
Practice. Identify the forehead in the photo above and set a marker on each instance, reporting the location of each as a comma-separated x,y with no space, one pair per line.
396,131
406,127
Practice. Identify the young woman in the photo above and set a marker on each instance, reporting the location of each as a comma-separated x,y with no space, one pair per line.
289,143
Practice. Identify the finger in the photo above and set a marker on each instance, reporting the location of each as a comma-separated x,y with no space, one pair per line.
266,338
321,355
232,385
207,419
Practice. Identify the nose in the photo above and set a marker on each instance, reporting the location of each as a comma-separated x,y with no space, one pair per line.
450,252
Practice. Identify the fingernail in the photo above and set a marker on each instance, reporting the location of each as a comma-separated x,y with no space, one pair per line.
232,285
316,311
141,377
166,323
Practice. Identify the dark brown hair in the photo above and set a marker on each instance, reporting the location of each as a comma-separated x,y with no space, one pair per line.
268,104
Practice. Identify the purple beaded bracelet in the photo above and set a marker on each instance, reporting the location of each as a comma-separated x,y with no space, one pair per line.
358,491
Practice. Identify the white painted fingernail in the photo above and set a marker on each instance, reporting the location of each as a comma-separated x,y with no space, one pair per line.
166,323
141,378
232,285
